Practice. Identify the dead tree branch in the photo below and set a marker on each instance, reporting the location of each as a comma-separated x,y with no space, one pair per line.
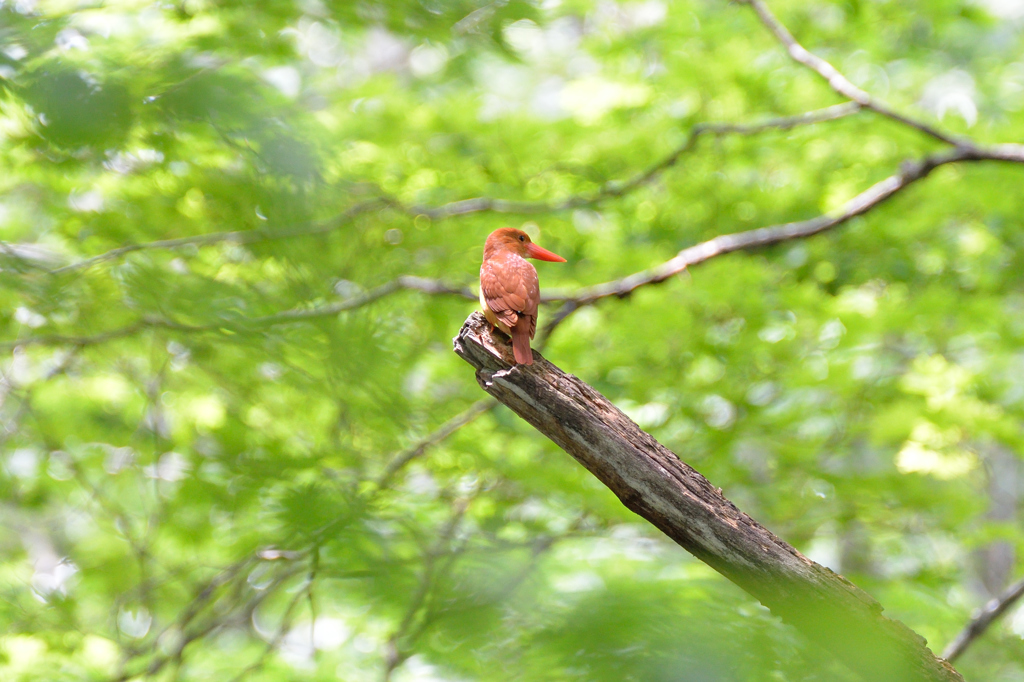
653,482
983,619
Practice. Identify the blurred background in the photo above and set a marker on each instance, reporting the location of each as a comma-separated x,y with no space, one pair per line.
225,454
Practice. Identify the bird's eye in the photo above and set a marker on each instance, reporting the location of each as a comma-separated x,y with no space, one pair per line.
522,238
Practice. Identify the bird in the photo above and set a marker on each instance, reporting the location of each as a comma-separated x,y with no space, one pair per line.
509,291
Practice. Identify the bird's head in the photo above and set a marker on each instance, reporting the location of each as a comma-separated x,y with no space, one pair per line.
517,241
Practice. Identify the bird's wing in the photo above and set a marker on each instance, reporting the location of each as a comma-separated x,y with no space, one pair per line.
510,289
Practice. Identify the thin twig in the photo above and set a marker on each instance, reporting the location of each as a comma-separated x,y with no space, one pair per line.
983,619
560,316
409,282
618,188
214,623
235,236
286,623
615,189
29,256
402,459
396,653
7,388
186,631
77,341
840,83
405,282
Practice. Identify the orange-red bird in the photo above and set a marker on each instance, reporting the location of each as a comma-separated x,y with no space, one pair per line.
509,292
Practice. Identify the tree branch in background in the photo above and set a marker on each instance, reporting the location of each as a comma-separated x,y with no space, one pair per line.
840,83
911,172
654,483
983,619
614,188
619,188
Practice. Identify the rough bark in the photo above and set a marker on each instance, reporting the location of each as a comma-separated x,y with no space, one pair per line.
653,482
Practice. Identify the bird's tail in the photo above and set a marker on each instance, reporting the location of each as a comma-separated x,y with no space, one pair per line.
521,344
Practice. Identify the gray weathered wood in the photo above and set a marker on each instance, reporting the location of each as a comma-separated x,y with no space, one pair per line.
653,482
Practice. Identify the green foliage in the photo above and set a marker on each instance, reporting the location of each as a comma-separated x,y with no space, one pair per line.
197,429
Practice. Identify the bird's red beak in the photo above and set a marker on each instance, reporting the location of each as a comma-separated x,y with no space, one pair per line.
534,251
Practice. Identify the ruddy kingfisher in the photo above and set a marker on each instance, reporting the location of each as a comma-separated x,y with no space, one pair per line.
509,292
